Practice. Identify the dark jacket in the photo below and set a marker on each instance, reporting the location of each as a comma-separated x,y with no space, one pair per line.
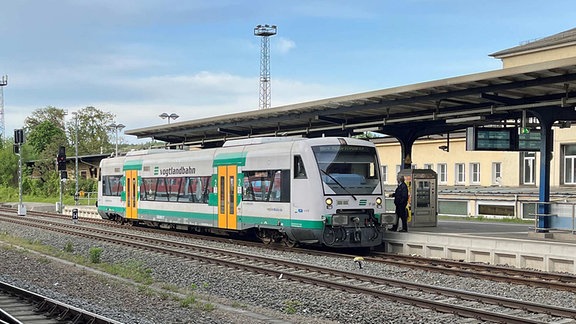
401,195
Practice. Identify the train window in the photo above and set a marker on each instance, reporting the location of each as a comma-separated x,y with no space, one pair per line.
173,187
299,170
348,169
112,185
181,189
199,191
268,185
148,189
222,194
232,193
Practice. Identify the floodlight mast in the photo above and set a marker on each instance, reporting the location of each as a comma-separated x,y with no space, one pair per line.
265,31
3,83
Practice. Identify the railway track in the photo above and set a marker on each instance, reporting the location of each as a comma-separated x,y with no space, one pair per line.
527,277
20,306
558,281
445,300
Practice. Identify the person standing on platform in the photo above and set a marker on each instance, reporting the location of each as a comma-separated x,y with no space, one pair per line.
401,201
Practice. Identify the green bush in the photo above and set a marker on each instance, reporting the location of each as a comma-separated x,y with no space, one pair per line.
95,253
8,194
69,247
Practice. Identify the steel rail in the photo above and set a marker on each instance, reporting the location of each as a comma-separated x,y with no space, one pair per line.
265,265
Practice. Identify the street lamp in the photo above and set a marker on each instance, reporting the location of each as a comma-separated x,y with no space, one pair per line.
171,116
116,127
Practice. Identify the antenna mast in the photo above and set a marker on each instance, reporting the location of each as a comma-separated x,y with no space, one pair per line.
265,31
3,83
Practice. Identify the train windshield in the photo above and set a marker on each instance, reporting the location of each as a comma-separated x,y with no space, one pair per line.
348,170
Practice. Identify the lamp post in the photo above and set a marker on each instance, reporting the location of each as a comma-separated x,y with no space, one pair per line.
116,127
171,116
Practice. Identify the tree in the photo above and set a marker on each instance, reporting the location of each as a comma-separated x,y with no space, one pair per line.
44,134
51,114
9,169
93,130
44,126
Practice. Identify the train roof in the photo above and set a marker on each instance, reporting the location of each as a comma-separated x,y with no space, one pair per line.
260,140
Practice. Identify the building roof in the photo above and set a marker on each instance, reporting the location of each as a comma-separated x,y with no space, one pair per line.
435,106
566,38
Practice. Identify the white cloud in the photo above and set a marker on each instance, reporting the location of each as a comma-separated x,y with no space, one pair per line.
283,45
195,96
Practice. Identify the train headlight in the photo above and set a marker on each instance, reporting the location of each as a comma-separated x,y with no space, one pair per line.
329,203
378,201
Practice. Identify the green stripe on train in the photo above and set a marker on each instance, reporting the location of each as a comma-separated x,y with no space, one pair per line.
245,220
119,210
133,165
238,158
255,220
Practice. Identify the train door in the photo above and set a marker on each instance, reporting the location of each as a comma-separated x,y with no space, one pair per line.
227,198
131,194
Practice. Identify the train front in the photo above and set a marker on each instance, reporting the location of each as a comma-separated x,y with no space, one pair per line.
353,211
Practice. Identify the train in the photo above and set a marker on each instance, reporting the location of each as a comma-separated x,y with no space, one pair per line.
297,191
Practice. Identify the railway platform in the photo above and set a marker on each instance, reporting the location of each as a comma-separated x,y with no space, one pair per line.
498,243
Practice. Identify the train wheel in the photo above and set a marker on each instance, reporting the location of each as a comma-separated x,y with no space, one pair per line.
329,236
266,240
289,243
265,236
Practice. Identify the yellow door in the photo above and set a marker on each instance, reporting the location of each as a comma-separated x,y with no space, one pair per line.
131,194
227,196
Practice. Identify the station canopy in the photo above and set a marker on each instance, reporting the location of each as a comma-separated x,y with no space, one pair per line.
441,105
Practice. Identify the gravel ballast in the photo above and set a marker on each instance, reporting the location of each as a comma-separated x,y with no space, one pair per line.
224,295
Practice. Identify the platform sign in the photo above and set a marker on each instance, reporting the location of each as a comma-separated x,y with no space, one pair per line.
529,141
490,139
502,139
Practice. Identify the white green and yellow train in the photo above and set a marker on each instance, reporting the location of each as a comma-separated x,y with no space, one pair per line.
323,191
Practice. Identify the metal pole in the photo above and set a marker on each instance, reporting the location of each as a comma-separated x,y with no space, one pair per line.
21,208
76,171
60,206
116,128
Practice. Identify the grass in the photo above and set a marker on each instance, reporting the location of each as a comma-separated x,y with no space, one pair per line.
291,306
129,269
67,200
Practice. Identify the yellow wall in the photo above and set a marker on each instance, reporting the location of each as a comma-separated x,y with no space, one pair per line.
539,56
427,152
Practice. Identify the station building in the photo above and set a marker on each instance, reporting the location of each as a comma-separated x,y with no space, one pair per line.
496,183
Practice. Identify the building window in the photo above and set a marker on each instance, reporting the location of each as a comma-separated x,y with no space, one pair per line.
475,173
569,152
497,173
384,174
442,176
398,168
428,166
528,170
460,173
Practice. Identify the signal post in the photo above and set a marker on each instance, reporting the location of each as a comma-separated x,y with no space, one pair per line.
18,141
61,161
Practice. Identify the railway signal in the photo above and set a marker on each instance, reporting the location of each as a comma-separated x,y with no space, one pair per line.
61,158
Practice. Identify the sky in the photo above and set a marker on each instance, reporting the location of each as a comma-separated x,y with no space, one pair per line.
138,59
